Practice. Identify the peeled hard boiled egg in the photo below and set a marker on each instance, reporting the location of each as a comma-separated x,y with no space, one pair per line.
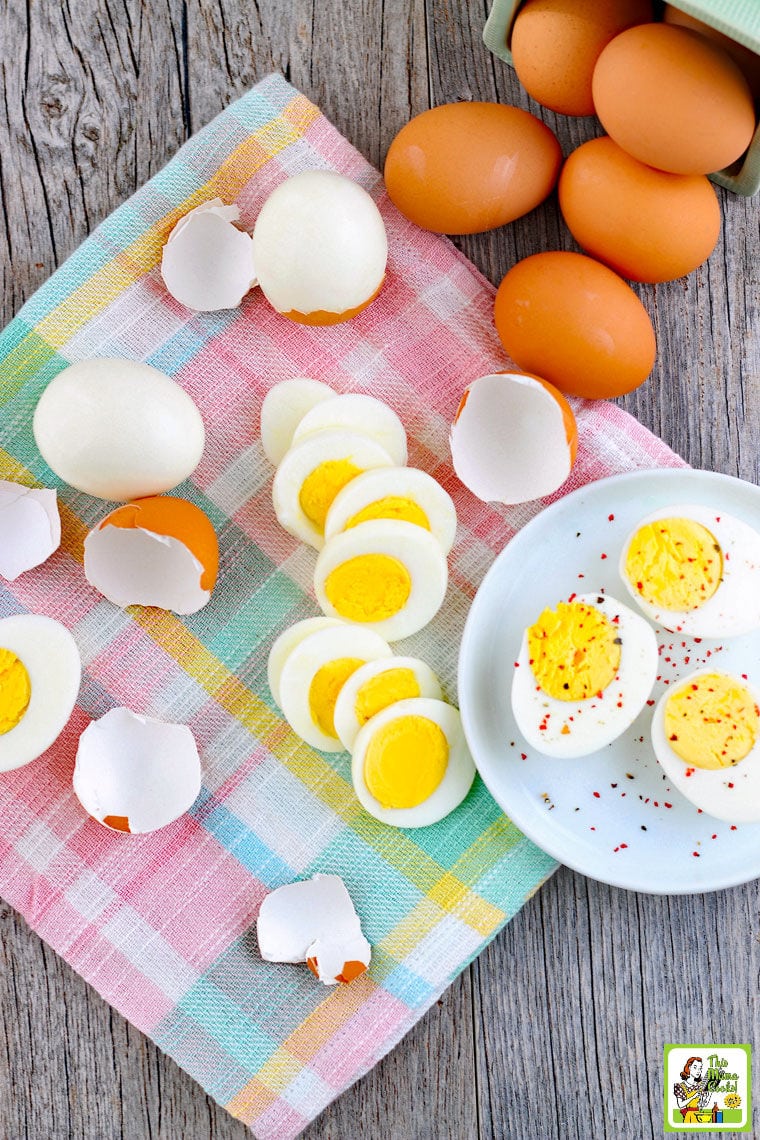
404,493
30,528
207,262
283,408
376,685
354,411
583,674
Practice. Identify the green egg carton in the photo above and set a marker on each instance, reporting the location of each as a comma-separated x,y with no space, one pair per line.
739,19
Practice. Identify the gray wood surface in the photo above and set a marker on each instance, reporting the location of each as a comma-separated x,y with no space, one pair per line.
557,1030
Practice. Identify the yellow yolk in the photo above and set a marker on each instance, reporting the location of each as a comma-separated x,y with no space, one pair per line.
384,689
712,722
323,691
321,485
674,563
370,587
15,690
574,651
405,761
391,507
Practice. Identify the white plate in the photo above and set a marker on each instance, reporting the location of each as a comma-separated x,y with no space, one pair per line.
613,815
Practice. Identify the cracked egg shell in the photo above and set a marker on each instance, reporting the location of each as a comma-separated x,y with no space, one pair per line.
283,408
207,262
159,551
30,528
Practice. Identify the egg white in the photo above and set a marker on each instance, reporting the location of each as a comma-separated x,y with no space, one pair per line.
282,409
405,482
286,642
347,723
355,411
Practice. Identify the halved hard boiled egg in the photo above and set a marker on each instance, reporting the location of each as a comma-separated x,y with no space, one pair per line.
40,671
411,765
286,642
387,575
695,570
158,551
403,493
354,411
583,674
30,527
283,408
376,685
207,262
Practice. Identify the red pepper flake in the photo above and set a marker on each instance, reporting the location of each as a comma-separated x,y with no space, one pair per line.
623,845
616,849
603,556
730,784
689,772
713,836
695,854
597,796
667,805
610,518
523,756
732,827
656,803
650,703
592,829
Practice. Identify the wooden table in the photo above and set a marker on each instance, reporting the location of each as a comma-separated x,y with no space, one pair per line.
557,1030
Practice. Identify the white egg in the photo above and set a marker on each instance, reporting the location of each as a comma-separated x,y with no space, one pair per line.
410,764
356,412
287,641
283,408
388,575
30,528
720,563
311,474
404,493
707,725
580,726
375,686
313,673
40,671
207,262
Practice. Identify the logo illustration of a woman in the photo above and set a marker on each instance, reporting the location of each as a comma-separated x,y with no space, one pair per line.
692,1093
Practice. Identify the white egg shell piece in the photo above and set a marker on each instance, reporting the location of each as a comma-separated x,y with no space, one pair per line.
569,729
207,262
135,771
355,411
305,457
319,245
731,794
510,441
457,780
283,408
734,608
118,429
30,528
50,656
304,662
420,557
286,642
394,671
391,484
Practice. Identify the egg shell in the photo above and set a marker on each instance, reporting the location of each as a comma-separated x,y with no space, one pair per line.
118,429
555,45
566,318
514,438
282,409
355,411
673,99
207,262
30,528
347,723
645,224
286,642
744,57
134,773
463,168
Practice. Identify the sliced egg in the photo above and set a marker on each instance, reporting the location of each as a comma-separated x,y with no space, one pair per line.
376,685
207,262
706,736
387,575
582,676
286,642
314,672
282,409
403,493
135,773
158,551
30,528
695,570
354,411
40,671
311,474
410,764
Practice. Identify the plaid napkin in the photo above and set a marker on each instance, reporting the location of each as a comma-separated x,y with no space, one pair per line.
161,925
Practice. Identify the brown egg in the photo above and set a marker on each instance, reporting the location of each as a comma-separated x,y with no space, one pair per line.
673,99
467,167
645,224
748,61
556,43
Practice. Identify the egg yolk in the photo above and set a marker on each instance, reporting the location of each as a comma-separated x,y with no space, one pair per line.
370,587
391,507
574,651
321,485
15,690
323,691
674,563
711,722
384,689
405,761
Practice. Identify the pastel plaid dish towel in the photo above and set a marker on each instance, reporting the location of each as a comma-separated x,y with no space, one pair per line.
161,924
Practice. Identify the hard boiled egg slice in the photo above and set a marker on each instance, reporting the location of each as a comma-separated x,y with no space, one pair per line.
314,672
375,686
411,765
695,570
40,671
207,262
387,575
312,473
583,674
30,528
283,407
158,551
706,735
286,642
135,773
354,411
404,493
